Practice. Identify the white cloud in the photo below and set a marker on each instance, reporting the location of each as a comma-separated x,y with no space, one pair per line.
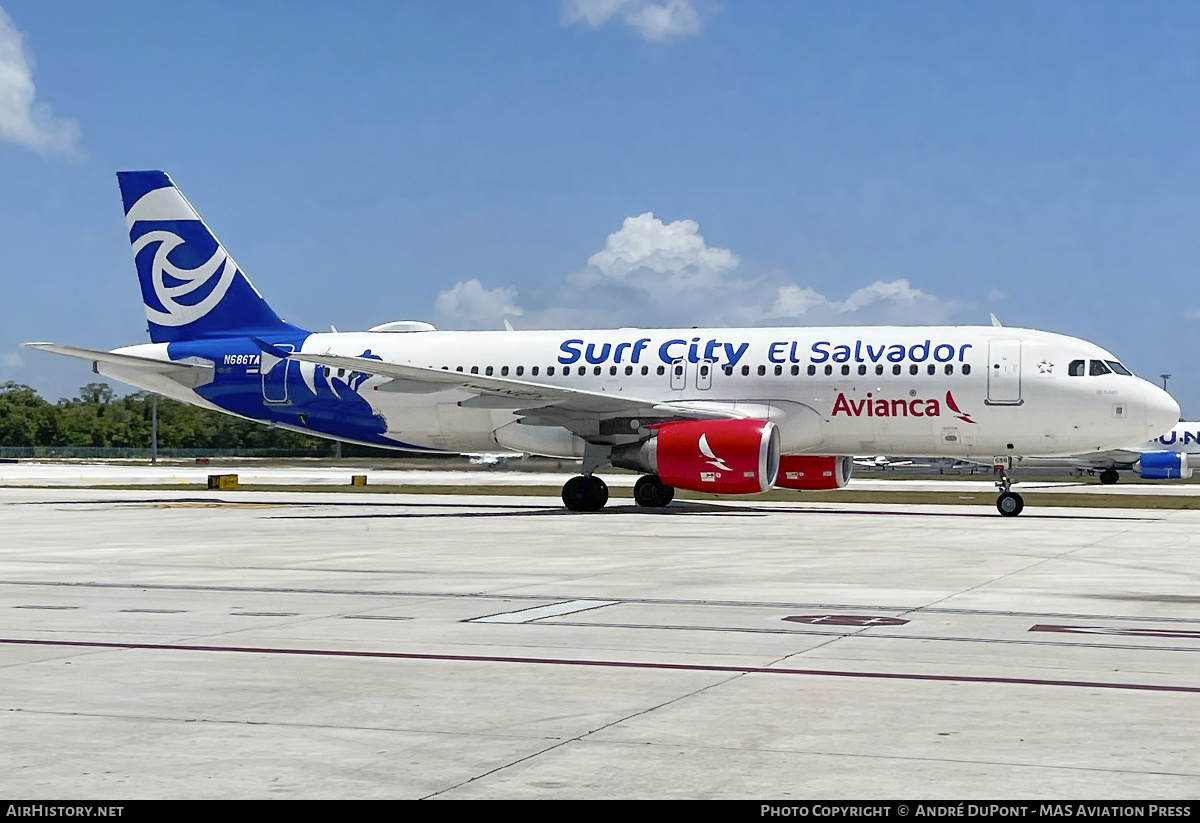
22,120
470,306
656,274
656,20
893,301
673,255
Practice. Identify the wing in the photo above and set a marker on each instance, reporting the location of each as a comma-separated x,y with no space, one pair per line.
587,413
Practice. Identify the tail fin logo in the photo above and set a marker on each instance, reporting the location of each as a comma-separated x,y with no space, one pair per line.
189,274
215,275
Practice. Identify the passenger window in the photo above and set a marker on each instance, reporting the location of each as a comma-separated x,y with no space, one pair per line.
520,370
550,371
597,371
504,371
662,370
966,369
879,369
778,370
728,369
1097,367
474,370
845,370
795,370
534,371
645,370
745,371
812,370
932,369
1075,369
762,370
896,369
914,368
628,371
828,370
862,370
489,371
949,368
459,368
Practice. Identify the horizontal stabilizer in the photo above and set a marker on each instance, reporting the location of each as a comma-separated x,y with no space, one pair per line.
186,374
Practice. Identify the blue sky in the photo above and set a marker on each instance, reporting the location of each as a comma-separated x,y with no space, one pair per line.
616,162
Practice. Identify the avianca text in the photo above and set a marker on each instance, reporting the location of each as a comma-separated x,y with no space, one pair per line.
871,406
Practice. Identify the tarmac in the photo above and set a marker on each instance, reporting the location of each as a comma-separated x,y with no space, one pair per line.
186,644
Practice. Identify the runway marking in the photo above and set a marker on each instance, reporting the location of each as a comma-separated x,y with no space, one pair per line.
653,601
616,664
63,608
374,617
538,612
846,620
1115,630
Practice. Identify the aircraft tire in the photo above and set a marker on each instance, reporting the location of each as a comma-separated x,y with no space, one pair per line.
649,491
586,493
1109,476
1010,504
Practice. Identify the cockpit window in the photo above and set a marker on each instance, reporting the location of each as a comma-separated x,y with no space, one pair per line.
1118,368
1097,367
1076,368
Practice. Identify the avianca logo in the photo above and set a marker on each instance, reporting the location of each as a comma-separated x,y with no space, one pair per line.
871,406
707,451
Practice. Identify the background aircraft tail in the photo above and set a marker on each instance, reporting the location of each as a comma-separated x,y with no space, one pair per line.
191,287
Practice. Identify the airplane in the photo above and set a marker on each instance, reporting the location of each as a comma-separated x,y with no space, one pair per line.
1174,455
726,410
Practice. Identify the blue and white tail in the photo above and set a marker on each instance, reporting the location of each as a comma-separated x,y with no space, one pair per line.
191,287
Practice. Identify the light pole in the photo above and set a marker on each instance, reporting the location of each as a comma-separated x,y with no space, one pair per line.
1164,377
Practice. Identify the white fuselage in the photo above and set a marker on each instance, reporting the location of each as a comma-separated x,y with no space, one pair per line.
953,391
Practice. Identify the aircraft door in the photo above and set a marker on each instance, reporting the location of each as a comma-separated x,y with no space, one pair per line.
704,374
1004,372
275,376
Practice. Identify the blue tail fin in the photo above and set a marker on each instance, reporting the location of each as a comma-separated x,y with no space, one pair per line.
191,287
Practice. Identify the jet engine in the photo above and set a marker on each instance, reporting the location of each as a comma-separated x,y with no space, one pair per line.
738,456
1164,466
813,472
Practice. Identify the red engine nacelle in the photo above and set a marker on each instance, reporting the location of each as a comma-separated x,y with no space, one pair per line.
811,473
721,456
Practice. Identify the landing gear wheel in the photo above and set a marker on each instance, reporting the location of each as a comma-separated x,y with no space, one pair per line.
651,492
1010,504
586,493
1109,476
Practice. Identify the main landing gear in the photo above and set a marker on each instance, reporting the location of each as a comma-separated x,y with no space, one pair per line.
651,492
586,493
1009,503
1109,476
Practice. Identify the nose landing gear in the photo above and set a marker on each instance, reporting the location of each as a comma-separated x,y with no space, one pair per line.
1009,503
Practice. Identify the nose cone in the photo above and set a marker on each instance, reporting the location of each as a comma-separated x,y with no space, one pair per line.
1162,412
